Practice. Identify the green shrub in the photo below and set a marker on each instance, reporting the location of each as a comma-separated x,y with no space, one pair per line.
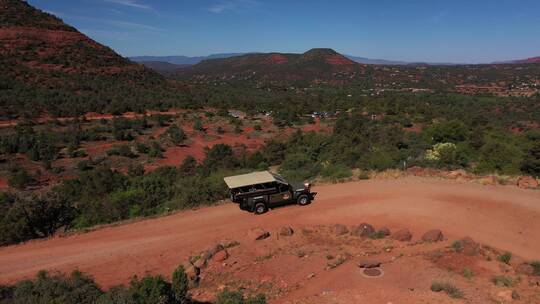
451,290
176,134
457,246
180,284
236,297
336,172
504,281
151,289
19,179
505,257
536,266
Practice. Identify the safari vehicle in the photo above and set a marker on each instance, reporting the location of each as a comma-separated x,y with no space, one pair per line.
258,191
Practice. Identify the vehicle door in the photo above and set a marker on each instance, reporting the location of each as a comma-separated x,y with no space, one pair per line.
282,196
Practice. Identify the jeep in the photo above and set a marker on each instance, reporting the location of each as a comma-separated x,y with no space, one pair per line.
258,191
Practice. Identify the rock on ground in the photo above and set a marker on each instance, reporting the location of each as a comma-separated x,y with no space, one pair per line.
369,264
434,235
403,235
221,256
527,182
363,230
340,229
469,246
524,268
286,231
384,231
489,180
258,234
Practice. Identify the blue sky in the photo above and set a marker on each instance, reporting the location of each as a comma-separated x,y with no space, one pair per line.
411,30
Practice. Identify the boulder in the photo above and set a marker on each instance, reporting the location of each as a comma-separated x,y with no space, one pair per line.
434,235
525,269
200,263
384,231
221,256
215,249
369,264
205,255
340,229
490,180
372,272
416,171
456,174
286,231
363,230
527,182
469,246
258,234
403,235
193,272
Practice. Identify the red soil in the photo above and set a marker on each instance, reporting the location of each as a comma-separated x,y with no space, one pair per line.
339,60
276,59
3,183
503,217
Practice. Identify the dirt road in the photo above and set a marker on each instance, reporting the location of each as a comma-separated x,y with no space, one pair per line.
504,217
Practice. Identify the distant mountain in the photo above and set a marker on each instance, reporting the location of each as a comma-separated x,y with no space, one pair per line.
365,60
519,61
315,65
182,59
185,60
50,64
529,60
162,66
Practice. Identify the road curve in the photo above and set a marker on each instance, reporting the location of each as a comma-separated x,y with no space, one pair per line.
504,217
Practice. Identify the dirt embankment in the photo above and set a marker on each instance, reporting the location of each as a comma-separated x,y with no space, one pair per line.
504,217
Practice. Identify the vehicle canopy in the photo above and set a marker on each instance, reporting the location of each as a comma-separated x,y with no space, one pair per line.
254,178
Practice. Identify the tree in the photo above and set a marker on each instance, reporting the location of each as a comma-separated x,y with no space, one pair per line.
531,162
151,290
176,134
220,156
180,283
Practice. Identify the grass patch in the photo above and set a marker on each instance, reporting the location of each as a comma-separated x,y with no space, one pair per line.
536,266
457,246
451,290
468,273
505,257
504,281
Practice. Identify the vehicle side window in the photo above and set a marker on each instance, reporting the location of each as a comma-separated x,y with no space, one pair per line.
283,188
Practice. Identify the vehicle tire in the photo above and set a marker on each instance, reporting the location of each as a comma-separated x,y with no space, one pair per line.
260,208
303,200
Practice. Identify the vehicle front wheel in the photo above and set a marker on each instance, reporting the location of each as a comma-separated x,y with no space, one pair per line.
260,208
303,200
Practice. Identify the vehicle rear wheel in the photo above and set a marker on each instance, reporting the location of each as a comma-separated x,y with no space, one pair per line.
260,208
303,200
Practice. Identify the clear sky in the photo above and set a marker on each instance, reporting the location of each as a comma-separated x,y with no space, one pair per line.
410,30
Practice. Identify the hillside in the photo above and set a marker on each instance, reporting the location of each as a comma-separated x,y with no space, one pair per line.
48,65
315,65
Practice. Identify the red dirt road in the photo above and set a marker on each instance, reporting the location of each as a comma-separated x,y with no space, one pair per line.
504,217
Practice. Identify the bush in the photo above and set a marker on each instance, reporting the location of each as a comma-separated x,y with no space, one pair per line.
151,289
176,134
236,297
298,167
448,288
19,179
505,257
536,267
180,284
77,288
504,281
336,172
